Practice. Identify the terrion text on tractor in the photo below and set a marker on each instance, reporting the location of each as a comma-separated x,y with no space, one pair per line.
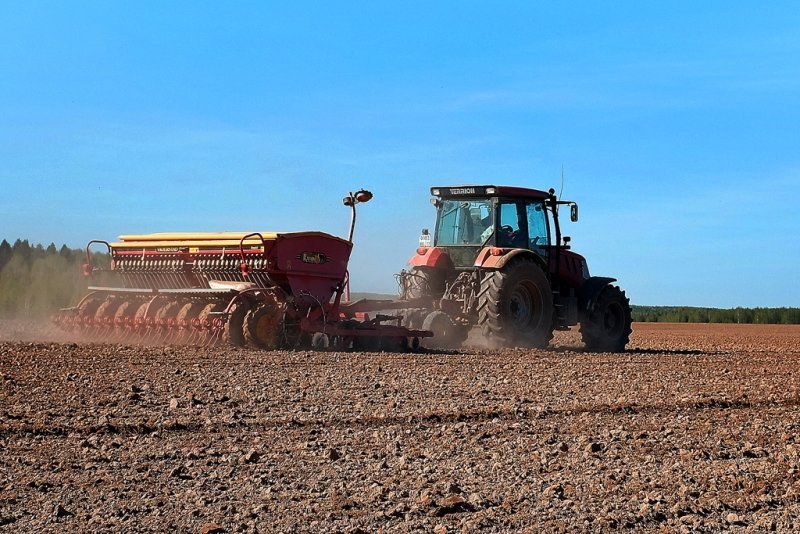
498,260
263,289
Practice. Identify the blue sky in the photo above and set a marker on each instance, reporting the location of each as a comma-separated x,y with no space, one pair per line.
676,125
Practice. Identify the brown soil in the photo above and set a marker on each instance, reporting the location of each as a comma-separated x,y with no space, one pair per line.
695,428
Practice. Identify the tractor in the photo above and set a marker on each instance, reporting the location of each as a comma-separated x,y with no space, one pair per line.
497,260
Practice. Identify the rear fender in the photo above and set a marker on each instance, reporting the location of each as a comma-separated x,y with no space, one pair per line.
590,290
435,257
488,258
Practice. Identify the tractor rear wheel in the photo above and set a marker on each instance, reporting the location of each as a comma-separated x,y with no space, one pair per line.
607,327
515,306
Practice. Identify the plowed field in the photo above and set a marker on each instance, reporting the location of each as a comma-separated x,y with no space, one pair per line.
695,428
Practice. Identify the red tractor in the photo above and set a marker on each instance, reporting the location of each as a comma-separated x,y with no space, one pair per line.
498,260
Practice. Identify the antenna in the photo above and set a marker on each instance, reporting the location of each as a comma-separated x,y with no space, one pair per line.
562,181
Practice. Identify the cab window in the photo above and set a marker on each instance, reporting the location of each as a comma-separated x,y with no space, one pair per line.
537,227
464,222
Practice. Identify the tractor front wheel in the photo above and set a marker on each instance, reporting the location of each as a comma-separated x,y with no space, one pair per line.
607,327
515,306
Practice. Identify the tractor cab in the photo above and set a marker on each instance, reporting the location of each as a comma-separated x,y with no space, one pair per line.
497,260
470,218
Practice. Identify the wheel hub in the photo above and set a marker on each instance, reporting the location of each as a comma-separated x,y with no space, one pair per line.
521,305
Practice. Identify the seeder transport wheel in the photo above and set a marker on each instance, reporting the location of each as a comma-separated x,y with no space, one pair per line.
263,327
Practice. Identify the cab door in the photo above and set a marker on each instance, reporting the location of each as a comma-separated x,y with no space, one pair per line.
512,228
538,230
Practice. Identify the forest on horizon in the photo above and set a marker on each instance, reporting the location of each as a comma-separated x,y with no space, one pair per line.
36,281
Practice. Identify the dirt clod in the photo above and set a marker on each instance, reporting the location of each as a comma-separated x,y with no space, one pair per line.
212,528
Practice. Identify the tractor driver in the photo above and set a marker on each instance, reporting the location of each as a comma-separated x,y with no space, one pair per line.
509,234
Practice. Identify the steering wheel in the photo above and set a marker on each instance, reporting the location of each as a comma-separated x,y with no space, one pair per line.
507,228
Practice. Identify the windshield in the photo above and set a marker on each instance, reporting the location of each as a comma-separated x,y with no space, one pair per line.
464,222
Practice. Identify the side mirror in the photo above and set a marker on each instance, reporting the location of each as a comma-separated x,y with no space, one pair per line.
573,212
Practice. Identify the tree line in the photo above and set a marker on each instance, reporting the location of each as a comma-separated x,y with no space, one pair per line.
689,314
35,281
